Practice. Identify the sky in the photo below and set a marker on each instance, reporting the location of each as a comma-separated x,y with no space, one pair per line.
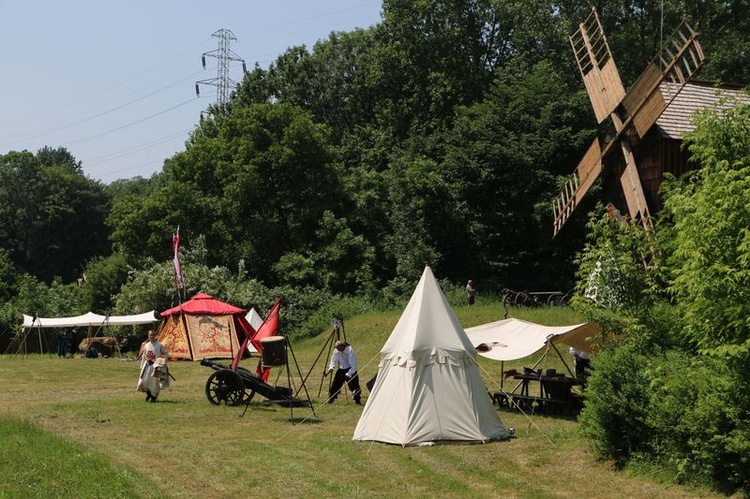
114,82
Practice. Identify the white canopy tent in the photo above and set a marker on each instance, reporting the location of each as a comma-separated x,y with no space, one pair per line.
511,339
88,320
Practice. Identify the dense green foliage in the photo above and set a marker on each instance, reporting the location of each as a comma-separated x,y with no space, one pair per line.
437,136
675,390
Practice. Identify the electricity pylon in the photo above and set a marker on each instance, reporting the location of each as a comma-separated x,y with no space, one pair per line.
223,83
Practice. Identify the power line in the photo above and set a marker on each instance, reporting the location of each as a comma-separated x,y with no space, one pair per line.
65,126
126,125
132,150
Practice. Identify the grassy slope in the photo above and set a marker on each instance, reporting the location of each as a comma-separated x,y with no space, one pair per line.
89,425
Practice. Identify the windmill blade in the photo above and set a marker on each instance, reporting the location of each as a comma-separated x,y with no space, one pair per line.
630,181
665,76
577,185
597,66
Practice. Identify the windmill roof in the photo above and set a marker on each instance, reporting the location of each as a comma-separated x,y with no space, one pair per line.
676,120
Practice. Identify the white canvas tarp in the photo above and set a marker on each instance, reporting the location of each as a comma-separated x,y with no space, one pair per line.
428,386
89,319
511,339
254,319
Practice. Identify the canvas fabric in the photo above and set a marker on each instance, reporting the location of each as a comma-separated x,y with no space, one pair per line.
511,339
212,336
203,327
428,387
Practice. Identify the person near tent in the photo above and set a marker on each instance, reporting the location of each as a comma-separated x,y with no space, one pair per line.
343,356
154,376
62,343
582,363
471,292
72,340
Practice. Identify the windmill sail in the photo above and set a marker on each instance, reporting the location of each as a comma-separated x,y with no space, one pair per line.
577,185
678,60
597,66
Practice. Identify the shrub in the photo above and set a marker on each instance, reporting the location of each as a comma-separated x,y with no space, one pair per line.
679,410
697,424
617,397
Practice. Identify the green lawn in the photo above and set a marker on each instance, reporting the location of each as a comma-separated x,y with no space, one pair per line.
77,428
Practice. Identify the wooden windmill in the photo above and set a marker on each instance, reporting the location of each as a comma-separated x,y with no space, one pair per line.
632,114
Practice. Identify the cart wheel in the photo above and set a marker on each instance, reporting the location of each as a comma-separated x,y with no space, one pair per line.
225,386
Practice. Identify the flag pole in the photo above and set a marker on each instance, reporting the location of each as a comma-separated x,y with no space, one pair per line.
179,278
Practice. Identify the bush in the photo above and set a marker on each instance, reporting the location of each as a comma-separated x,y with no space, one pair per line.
697,423
678,410
617,398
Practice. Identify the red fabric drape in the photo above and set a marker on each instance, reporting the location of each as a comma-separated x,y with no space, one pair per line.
270,327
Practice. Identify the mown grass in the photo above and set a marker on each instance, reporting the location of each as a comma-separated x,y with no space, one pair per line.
77,428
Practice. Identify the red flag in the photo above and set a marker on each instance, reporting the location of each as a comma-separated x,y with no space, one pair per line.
179,279
270,327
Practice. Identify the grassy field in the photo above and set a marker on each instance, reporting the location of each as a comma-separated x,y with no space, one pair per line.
77,428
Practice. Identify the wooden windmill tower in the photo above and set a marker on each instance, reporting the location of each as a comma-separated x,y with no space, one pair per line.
632,114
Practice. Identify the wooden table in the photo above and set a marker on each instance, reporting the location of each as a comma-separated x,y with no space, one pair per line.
554,393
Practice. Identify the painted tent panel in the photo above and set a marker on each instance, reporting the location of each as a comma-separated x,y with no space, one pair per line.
172,334
212,336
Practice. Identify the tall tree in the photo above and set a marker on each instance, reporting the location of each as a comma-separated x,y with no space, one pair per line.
52,216
61,157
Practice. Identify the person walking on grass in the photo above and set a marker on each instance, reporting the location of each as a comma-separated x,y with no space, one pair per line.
154,375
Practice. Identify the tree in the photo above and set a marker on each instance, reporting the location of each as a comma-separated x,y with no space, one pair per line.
710,255
52,218
682,297
59,157
503,155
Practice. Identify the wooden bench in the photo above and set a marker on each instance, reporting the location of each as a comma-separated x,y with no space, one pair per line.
500,399
526,402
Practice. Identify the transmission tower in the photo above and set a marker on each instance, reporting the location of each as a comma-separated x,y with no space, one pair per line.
223,83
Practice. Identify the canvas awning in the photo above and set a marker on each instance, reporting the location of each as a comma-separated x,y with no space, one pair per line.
90,319
511,339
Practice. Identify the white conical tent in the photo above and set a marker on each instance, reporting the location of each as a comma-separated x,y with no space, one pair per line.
428,387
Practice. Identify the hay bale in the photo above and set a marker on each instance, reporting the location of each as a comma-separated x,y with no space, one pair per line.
105,345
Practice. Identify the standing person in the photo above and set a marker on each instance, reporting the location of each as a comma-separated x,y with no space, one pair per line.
154,375
72,340
582,363
471,292
343,356
62,343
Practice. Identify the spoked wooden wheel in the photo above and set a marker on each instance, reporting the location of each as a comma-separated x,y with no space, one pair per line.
225,386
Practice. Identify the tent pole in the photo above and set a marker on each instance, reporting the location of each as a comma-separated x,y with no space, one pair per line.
299,373
320,354
502,373
39,334
567,368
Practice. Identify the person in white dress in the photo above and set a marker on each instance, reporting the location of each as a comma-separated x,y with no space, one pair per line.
154,375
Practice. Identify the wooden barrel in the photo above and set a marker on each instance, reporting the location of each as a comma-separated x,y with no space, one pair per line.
273,351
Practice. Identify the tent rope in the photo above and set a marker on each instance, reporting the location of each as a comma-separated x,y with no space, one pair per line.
510,400
304,420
